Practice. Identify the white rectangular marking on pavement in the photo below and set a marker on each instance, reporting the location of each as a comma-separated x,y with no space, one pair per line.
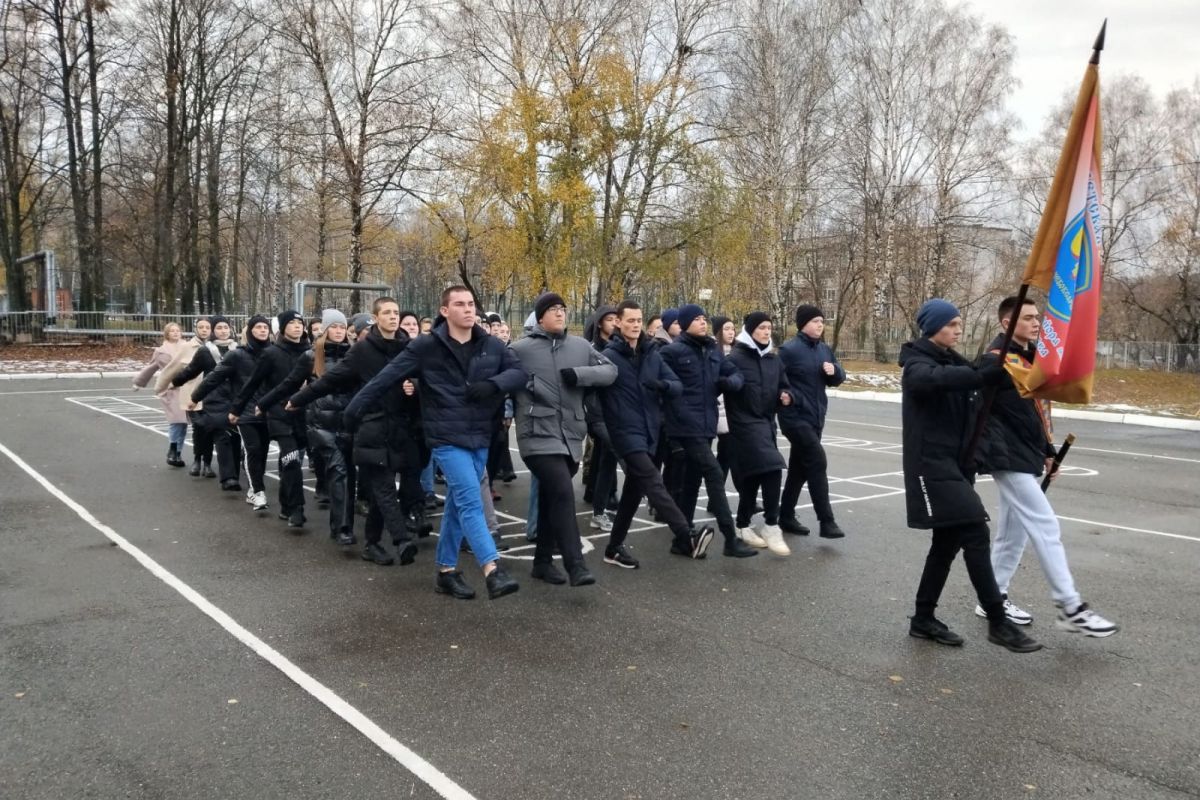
430,775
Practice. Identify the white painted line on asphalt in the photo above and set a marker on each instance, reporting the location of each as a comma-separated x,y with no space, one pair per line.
430,775
1140,455
56,391
1127,528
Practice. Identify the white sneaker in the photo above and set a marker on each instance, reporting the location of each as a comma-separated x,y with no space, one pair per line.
1085,621
1016,615
603,522
751,537
250,495
775,543
260,501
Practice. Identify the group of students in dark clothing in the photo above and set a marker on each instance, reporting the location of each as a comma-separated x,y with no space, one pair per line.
376,398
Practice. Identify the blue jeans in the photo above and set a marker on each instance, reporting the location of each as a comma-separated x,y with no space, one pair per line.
532,521
463,514
177,433
427,477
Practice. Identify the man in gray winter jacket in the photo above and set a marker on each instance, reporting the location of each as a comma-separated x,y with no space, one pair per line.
551,426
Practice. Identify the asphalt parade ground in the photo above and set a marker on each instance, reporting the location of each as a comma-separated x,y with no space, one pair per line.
159,639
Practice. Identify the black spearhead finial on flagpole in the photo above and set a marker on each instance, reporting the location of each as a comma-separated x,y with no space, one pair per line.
1099,45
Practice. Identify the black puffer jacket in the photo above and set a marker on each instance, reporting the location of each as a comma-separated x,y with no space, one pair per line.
700,366
631,405
272,369
326,412
1015,438
938,408
448,417
234,372
803,358
750,411
219,398
385,431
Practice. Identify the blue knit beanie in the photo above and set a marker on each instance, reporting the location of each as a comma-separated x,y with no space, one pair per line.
669,317
688,314
935,314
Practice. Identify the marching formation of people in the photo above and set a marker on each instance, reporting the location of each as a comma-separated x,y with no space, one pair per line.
381,402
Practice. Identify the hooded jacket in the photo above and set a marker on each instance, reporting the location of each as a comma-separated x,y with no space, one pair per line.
1017,435
232,374
551,419
273,367
326,412
704,373
448,417
751,409
938,407
382,438
632,403
802,357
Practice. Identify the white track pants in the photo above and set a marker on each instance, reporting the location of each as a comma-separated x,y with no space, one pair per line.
1026,515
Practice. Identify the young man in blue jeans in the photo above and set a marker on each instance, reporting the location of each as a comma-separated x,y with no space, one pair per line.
464,374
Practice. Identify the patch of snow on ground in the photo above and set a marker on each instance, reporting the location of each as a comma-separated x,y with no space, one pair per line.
10,367
875,380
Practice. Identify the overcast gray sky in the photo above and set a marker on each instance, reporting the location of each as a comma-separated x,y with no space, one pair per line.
1157,39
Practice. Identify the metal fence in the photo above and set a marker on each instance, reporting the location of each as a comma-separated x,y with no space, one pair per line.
39,327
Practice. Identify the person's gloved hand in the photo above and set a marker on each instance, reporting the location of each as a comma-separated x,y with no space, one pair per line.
569,377
482,390
994,374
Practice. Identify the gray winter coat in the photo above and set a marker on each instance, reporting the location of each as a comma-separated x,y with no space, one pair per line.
550,414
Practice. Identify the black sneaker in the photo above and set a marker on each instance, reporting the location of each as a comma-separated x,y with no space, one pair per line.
376,553
195,470
581,575
621,557
508,477
701,539
346,539
206,470
231,485
549,573
736,548
452,583
792,525
432,501
1010,637
407,552
500,583
830,530
296,519
935,629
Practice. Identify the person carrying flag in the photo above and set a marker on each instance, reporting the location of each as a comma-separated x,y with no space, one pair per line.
1015,449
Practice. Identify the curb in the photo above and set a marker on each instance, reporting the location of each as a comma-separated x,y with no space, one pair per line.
1148,420
53,376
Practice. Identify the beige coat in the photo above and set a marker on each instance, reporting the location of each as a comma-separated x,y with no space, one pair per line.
168,373
162,356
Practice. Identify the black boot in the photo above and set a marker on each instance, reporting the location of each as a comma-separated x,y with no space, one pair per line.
581,575
452,583
173,458
195,470
793,526
736,548
500,583
549,573
830,530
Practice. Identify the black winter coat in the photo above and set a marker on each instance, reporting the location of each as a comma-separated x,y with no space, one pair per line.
802,357
448,417
938,407
1015,437
384,434
702,369
233,373
750,411
631,405
326,413
219,398
272,369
